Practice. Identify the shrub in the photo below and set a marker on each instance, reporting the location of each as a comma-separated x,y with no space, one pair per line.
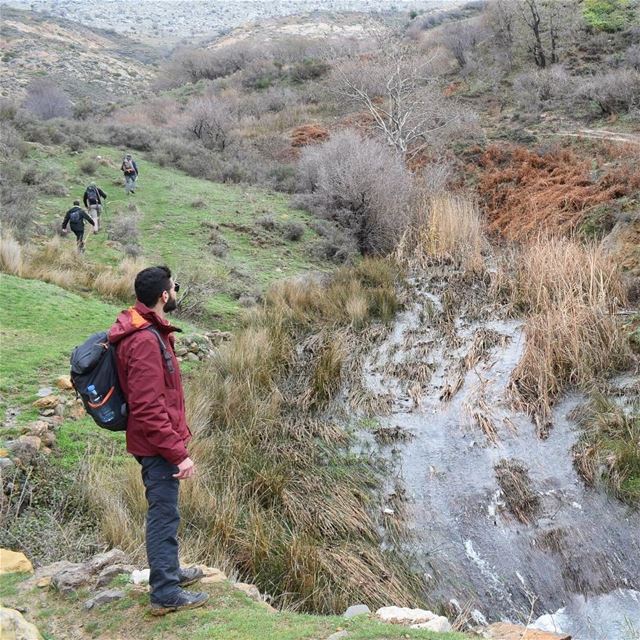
632,57
535,88
616,91
293,231
117,283
46,100
362,185
267,222
309,69
124,229
608,15
88,166
10,255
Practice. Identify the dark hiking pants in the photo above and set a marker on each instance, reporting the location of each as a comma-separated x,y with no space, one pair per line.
79,238
163,519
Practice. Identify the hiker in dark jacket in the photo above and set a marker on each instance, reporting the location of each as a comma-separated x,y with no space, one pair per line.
157,431
93,197
130,170
75,218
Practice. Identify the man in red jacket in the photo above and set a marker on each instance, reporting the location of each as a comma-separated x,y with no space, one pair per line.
157,431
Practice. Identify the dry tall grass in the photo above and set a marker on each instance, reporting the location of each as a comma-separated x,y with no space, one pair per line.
572,337
116,283
278,498
447,228
11,259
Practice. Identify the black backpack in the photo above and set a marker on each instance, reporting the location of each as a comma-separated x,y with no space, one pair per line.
92,195
75,216
95,378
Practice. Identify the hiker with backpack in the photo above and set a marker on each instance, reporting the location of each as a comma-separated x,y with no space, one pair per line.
130,170
157,431
93,197
75,218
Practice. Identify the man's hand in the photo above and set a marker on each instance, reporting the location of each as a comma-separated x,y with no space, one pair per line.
185,469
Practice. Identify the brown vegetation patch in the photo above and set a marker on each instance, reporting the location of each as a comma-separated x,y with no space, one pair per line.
513,479
525,191
388,435
307,134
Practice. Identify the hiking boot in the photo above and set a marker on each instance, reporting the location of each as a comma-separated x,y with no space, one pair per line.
183,600
189,575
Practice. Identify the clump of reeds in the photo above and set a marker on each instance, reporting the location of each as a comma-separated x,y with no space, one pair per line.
516,486
608,451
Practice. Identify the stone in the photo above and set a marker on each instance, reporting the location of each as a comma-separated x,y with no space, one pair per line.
102,560
356,610
181,351
507,631
249,590
6,464
48,440
191,357
440,624
213,576
48,402
339,635
109,573
140,576
71,578
13,626
29,442
64,383
76,412
43,392
405,615
110,595
48,413
43,583
37,428
14,562
59,410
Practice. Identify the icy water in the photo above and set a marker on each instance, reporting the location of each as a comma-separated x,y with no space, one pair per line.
579,553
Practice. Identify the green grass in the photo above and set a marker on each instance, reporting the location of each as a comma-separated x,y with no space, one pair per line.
229,615
179,234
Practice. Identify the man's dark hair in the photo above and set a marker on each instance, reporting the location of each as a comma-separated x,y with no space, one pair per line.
150,283
76,202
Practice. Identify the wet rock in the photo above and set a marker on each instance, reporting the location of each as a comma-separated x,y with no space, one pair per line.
250,590
506,631
356,610
439,624
47,402
13,626
14,562
405,615
110,595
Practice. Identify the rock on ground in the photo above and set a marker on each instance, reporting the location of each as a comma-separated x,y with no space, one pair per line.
110,595
356,610
506,631
14,562
339,635
250,590
440,624
13,626
405,615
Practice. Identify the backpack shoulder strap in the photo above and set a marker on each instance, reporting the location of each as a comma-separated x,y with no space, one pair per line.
166,356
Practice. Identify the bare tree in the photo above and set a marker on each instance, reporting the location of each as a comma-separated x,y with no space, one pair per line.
460,38
396,89
210,120
46,100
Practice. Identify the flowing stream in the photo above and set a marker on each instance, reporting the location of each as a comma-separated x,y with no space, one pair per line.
573,563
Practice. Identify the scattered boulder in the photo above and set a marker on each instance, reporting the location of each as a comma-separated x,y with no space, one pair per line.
112,571
356,610
48,402
110,595
249,590
439,623
13,626
405,615
64,383
507,631
76,575
339,635
14,562
140,576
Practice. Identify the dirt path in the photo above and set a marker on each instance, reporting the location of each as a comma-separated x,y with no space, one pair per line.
602,134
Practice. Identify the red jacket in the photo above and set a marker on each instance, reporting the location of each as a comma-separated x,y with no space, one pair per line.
157,424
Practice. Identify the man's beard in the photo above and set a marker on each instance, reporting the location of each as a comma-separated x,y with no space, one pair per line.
170,305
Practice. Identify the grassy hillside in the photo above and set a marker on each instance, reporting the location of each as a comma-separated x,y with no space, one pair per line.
228,241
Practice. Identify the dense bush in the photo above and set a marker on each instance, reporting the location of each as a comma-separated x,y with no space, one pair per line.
46,100
362,185
616,91
537,88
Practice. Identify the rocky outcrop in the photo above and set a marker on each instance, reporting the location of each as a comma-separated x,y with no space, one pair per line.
88,574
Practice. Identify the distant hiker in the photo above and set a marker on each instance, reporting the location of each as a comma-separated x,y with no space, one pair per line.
75,218
93,198
157,431
130,170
